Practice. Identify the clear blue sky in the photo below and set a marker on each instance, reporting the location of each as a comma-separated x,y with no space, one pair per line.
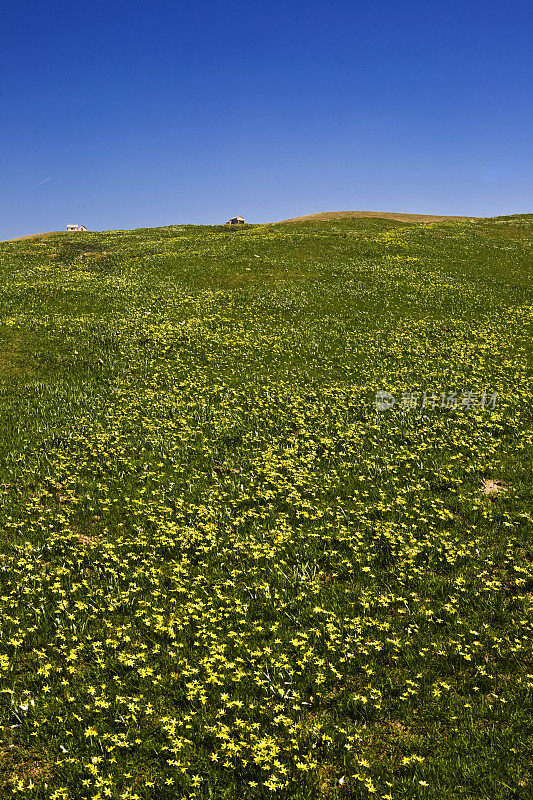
155,113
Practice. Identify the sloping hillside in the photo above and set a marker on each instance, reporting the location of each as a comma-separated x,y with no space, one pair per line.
36,236
265,512
325,215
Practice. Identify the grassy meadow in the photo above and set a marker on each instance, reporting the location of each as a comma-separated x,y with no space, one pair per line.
224,573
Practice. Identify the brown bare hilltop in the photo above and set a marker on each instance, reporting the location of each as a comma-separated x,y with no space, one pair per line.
35,236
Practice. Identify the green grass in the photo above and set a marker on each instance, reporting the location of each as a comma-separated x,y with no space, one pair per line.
223,573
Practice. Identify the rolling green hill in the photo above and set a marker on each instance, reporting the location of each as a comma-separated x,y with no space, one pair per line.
329,215
266,512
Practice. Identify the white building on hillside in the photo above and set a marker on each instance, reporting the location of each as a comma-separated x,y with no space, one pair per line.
71,228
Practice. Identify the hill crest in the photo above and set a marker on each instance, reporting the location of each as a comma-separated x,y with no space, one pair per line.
400,217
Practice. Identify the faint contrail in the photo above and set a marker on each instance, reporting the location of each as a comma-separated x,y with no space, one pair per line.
41,183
